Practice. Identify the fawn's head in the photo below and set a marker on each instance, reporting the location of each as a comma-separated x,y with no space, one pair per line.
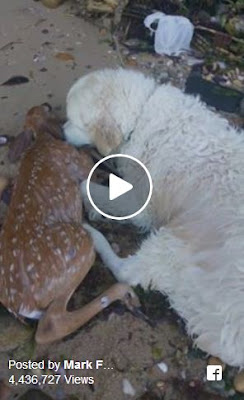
40,120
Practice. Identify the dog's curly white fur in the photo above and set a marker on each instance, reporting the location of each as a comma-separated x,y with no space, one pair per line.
195,252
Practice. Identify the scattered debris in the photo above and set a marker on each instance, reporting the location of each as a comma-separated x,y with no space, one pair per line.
63,56
107,6
214,45
15,80
163,367
39,57
235,26
193,61
128,388
9,45
4,140
173,34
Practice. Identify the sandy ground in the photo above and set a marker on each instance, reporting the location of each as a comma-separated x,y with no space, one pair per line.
31,37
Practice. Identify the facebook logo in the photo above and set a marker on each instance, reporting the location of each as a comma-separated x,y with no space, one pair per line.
214,372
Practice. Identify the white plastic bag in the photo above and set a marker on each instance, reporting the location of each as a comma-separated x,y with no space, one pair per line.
173,34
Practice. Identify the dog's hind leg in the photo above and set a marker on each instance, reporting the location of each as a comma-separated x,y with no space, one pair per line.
166,263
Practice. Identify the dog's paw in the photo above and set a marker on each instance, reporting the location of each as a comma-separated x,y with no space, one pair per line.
93,215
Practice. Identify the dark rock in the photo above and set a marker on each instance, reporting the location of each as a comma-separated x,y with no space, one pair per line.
214,95
15,80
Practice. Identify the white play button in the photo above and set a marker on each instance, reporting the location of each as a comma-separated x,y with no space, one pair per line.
125,193
118,186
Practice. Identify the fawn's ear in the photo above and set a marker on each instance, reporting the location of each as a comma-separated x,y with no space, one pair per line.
51,123
18,146
47,107
54,128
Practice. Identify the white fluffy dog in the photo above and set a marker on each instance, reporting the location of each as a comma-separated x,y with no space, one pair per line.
195,251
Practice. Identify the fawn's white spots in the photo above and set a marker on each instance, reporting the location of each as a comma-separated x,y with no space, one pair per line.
55,200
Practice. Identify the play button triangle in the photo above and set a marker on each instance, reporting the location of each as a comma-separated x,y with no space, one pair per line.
118,186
